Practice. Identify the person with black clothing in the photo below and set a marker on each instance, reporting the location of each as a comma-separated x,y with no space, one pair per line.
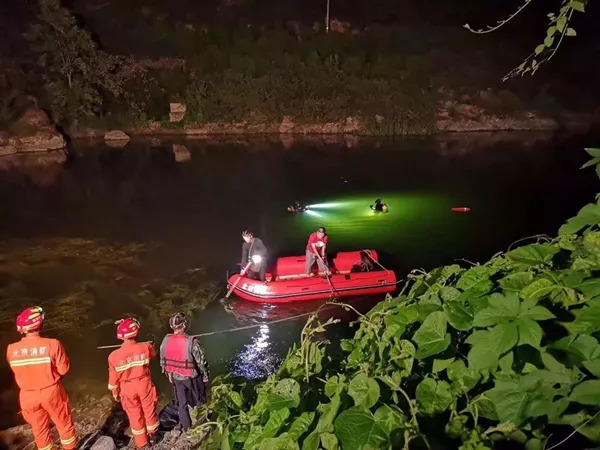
254,256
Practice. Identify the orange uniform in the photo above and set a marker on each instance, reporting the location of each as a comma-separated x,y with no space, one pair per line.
38,364
129,378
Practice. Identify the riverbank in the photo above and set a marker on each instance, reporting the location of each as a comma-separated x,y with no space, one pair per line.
101,421
33,132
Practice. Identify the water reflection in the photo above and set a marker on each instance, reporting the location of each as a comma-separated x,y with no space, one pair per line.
257,360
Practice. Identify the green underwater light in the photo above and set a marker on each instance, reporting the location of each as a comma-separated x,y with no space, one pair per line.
351,222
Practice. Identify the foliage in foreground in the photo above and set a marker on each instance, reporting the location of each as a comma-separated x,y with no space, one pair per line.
507,350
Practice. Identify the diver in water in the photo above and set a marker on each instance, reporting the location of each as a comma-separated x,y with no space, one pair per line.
297,207
379,206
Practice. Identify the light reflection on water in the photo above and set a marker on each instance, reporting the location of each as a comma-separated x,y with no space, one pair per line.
257,360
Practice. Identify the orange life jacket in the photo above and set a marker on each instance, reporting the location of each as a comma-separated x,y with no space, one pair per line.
176,355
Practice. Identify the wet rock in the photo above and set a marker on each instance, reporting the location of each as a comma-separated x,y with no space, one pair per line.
40,141
104,443
116,135
287,125
181,153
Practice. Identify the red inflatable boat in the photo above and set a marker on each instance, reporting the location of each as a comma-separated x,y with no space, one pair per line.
352,273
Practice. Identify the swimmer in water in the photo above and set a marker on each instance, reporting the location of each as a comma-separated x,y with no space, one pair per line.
379,206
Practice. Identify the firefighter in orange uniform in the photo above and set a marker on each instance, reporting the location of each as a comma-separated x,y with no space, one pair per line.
129,379
38,364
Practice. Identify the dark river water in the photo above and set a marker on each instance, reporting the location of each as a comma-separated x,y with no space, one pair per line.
188,207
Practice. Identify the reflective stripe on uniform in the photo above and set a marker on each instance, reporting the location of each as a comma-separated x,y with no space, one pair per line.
151,428
111,387
138,432
127,366
30,361
67,441
47,447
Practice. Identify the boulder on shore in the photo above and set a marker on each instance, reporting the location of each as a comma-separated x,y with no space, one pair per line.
32,132
116,135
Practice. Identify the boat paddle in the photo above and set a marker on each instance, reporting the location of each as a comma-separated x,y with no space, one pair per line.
242,273
327,274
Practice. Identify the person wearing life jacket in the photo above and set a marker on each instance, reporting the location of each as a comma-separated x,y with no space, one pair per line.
38,364
316,251
130,382
182,360
254,256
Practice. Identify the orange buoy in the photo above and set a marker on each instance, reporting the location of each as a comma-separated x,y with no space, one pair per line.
463,209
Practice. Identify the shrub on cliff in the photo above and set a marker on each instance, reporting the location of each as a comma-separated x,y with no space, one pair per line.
77,74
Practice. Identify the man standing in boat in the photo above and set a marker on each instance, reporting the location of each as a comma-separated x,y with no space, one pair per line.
254,256
315,251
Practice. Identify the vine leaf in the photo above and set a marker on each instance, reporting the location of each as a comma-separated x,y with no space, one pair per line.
431,338
433,396
587,393
356,428
364,390
533,255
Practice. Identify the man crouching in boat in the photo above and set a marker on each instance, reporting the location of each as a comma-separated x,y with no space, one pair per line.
254,256
315,251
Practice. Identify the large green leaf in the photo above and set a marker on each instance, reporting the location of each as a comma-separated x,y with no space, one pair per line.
390,418
501,309
433,396
529,332
538,289
510,400
329,441
533,254
583,347
356,429
590,288
431,338
587,320
515,281
335,385
286,394
300,425
593,366
440,365
464,379
459,314
475,275
283,442
364,390
276,421
449,293
530,310
587,393
328,413
589,215
488,345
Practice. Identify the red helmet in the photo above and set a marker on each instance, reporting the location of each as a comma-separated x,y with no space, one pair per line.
128,328
30,320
